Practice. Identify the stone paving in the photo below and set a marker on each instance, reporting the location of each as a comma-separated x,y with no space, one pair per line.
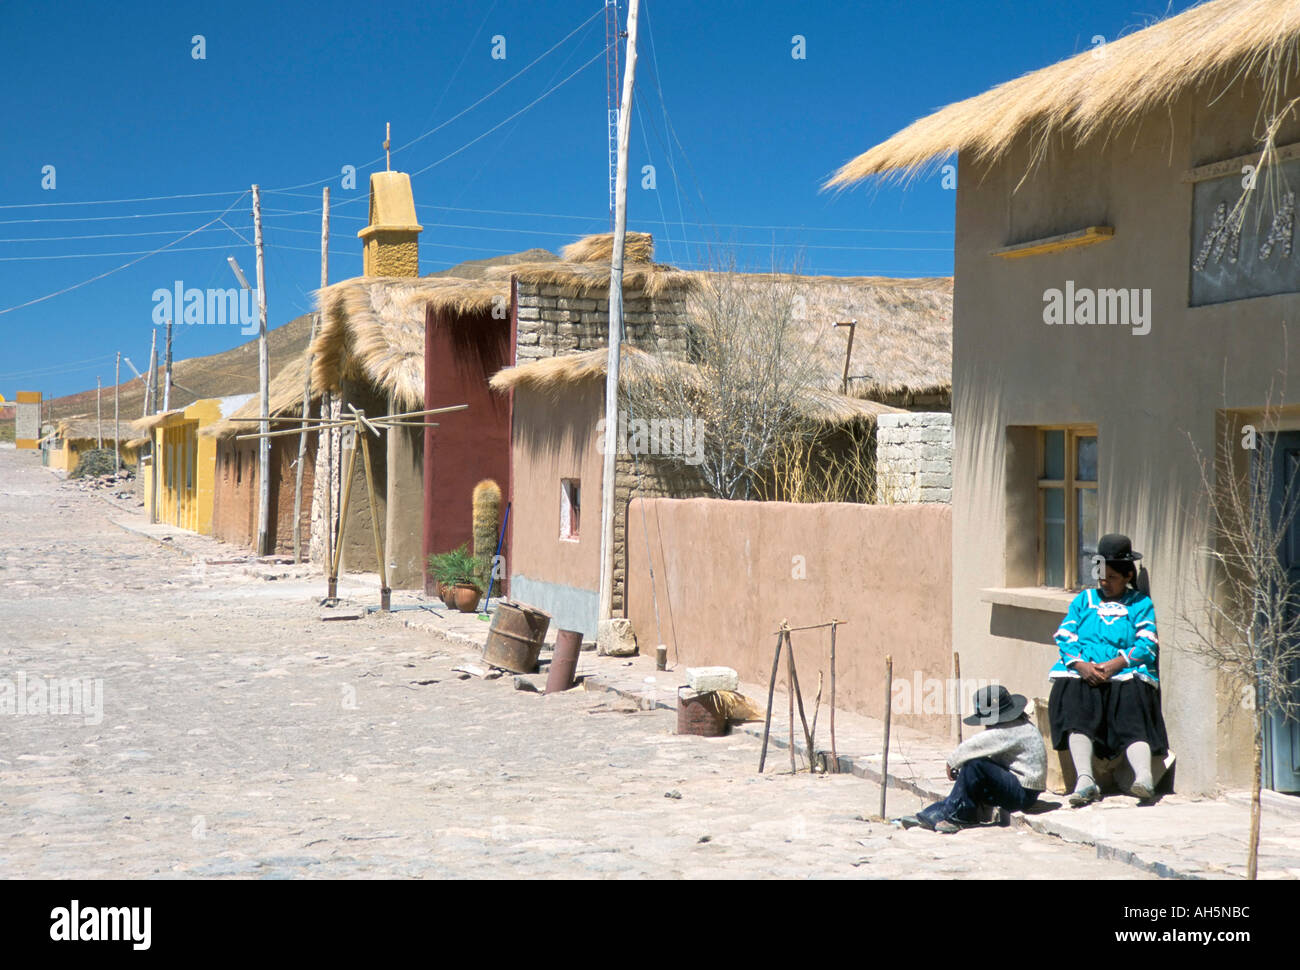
240,736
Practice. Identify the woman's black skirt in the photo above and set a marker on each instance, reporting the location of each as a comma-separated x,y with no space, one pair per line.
1113,714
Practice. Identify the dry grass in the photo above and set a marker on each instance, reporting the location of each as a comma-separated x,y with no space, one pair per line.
638,247
1214,45
373,328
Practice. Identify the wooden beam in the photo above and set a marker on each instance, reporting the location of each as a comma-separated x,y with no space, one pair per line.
1052,244
1234,165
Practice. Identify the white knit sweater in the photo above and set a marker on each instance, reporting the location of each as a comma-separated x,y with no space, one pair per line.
1016,746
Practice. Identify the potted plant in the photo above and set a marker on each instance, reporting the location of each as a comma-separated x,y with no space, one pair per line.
457,573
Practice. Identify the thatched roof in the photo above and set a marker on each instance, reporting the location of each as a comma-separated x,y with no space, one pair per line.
152,421
903,339
583,268
284,399
84,427
553,375
1216,43
372,328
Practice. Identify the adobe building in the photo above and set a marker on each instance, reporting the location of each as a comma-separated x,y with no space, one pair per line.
236,491
902,354
370,354
179,481
1110,319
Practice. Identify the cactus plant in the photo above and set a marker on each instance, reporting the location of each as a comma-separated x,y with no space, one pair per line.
487,525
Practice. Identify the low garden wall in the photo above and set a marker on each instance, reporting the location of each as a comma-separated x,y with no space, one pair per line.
727,573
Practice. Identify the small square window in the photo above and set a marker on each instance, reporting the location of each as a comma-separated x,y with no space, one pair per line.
570,507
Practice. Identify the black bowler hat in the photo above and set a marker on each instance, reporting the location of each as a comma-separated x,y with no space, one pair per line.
1117,548
996,705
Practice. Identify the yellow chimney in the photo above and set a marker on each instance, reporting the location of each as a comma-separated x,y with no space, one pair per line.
392,243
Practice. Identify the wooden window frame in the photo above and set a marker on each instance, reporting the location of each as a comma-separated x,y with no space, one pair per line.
1070,484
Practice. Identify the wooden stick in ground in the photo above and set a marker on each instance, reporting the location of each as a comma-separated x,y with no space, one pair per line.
835,758
884,758
789,686
374,514
771,693
817,706
798,696
956,675
343,519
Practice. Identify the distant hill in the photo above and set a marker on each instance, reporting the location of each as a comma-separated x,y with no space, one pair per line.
232,371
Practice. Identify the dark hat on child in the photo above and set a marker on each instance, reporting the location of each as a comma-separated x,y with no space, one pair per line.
996,705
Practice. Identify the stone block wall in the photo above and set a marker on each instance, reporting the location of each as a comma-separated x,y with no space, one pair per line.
553,322
914,457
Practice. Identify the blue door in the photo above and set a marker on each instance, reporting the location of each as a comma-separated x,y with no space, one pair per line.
1282,735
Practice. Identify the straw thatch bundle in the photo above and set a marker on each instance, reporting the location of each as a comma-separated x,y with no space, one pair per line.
372,329
1211,45
152,421
554,375
638,247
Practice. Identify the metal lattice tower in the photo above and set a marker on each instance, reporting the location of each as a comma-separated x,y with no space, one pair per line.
612,96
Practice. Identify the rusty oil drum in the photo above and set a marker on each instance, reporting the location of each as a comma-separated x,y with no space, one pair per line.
699,714
515,637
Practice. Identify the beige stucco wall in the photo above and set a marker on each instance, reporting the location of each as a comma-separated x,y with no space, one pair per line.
727,573
1146,394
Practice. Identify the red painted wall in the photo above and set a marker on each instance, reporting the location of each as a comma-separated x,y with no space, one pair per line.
471,445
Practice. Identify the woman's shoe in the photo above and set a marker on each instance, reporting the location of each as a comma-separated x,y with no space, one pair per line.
1143,793
1085,796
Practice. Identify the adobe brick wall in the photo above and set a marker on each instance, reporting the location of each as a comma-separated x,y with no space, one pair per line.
552,323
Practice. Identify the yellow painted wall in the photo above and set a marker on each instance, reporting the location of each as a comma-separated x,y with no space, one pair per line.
187,468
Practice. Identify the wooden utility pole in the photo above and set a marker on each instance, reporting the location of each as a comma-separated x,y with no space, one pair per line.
306,388
167,370
616,328
148,381
117,432
99,413
151,400
263,373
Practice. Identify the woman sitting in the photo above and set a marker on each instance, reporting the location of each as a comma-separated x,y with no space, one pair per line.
1106,692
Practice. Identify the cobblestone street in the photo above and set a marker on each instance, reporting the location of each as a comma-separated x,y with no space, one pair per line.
241,736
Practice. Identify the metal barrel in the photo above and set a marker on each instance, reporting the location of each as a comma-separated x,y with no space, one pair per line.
515,638
564,662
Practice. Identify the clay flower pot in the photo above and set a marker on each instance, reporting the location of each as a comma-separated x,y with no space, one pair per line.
466,597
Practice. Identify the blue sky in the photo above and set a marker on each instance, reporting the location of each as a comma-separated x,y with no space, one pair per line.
741,135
